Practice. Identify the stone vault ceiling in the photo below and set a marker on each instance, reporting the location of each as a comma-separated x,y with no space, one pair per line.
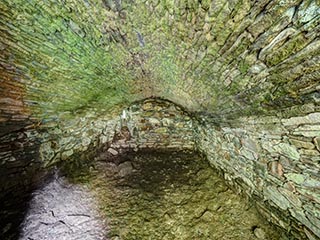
226,58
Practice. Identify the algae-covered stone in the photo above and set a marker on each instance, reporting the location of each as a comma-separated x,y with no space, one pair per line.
308,130
292,198
312,183
259,233
311,118
308,10
154,121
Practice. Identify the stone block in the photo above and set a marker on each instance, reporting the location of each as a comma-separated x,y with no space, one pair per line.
308,130
273,194
312,183
295,177
292,197
302,144
309,152
113,151
301,217
308,11
46,152
275,168
287,150
248,154
311,118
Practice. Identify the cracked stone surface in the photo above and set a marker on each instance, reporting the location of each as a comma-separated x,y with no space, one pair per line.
62,211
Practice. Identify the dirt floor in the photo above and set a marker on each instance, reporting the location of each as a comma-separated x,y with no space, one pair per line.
148,195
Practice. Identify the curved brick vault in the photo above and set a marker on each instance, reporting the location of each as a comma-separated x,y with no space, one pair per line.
247,72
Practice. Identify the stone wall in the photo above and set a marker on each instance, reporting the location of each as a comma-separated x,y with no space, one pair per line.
224,57
27,151
275,161
154,124
20,171
88,132
160,124
151,123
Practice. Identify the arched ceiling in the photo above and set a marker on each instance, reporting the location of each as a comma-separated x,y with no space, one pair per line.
219,57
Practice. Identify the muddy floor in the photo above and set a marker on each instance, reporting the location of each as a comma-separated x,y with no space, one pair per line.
172,196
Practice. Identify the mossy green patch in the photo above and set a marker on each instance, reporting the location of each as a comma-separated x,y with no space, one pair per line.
288,49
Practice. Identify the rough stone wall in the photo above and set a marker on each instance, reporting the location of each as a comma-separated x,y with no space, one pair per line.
27,151
223,57
275,160
152,123
230,57
76,136
156,124
16,169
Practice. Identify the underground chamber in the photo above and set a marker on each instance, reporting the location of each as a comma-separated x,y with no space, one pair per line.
149,180
159,119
